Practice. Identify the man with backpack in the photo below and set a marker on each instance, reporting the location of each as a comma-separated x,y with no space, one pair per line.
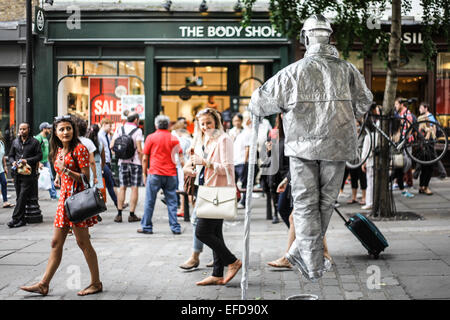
127,146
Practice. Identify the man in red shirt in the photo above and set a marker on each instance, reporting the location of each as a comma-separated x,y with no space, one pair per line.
161,147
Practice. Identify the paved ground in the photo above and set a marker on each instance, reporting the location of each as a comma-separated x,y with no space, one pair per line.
416,265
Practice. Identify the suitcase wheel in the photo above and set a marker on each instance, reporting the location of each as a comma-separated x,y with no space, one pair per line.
375,255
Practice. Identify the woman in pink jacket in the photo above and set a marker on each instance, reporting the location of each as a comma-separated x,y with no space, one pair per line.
214,160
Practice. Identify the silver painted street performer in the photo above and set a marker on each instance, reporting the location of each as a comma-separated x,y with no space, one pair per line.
320,97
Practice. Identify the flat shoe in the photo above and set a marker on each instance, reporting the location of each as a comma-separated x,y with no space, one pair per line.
278,264
84,292
118,218
210,281
232,270
189,266
37,288
210,265
133,218
351,201
9,205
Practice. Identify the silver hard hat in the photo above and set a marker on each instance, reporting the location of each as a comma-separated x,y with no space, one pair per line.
315,22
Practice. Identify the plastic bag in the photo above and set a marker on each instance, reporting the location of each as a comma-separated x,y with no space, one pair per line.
45,179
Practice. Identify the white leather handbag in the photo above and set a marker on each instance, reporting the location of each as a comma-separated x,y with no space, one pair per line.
217,202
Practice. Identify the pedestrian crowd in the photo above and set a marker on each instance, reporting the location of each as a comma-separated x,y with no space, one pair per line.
173,160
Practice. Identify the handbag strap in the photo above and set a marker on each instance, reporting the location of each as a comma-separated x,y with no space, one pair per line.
229,180
84,179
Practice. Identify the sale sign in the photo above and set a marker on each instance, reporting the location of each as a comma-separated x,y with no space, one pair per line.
134,103
105,97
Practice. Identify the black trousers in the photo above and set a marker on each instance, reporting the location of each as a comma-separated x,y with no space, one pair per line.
24,189
357,174
425,174
209,231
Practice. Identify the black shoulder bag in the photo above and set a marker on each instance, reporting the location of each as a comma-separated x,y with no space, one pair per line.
84,204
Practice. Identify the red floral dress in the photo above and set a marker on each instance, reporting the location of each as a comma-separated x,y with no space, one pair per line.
82,156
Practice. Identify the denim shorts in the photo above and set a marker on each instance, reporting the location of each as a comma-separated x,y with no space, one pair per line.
130,175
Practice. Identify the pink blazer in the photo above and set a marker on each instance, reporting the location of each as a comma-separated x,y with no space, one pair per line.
221,157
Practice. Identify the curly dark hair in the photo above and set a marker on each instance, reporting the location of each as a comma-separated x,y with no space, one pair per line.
55,143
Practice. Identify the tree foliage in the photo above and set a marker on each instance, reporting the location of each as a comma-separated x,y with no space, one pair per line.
356,19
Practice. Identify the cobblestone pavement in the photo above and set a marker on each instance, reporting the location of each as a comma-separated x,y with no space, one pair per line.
416,265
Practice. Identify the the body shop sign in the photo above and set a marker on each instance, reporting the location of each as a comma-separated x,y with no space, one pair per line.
105,96
228,31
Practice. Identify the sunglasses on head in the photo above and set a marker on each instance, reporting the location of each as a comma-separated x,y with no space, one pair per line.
66,117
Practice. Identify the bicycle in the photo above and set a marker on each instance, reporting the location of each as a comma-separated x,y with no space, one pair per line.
425,141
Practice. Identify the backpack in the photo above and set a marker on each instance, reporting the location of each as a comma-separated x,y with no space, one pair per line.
124,145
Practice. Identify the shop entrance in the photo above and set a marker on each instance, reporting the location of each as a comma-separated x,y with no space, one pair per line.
407,87
185,88
7,115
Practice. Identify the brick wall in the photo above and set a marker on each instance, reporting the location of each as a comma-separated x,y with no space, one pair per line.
14,10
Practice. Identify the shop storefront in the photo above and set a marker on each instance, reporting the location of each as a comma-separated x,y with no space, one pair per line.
414,78
152,62
12,79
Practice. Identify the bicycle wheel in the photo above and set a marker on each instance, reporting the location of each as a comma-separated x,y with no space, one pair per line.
426,142
364,135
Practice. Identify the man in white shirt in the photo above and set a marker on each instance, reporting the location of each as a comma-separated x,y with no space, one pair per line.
103,136
130,170
241,147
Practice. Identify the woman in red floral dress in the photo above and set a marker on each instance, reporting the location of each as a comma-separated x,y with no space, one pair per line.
71,159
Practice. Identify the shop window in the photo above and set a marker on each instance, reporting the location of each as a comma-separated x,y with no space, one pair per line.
443,88
174,107
354,59
8,130
251,77
93,90
413,63
202,78
100,67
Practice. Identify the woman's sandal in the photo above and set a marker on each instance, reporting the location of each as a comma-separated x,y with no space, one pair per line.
280,263
210,281
98,288
232,270
36,288
352,201
9,205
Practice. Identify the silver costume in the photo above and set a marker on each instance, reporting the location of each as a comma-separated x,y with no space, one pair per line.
321,96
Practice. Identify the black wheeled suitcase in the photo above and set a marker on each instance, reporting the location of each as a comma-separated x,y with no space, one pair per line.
366,232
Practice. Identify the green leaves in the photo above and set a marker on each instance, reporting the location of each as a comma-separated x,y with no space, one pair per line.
353,21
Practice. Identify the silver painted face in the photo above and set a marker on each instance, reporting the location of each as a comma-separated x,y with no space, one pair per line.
316,26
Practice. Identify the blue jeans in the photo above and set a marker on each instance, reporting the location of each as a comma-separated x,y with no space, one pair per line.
109,181
52,190
197,245
4,183
169,186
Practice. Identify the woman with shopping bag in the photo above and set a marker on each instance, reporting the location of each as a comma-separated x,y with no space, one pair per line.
213,158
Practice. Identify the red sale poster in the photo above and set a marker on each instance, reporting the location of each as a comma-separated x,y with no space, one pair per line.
105,98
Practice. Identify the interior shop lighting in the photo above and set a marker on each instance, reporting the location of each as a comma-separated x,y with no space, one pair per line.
238,6
167,5
203,6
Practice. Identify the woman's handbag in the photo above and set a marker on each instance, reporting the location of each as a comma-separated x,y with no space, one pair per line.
398,160
217,202
84,204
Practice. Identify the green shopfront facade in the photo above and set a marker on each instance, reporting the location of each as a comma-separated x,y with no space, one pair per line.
151,62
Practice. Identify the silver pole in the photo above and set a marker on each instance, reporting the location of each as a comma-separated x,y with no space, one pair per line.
248,205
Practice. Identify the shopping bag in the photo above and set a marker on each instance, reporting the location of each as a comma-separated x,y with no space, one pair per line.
45,179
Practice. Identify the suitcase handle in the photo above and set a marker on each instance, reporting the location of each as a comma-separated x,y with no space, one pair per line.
335,209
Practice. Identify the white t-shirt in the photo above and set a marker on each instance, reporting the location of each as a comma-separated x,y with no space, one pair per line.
242,140
137,137
88,144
